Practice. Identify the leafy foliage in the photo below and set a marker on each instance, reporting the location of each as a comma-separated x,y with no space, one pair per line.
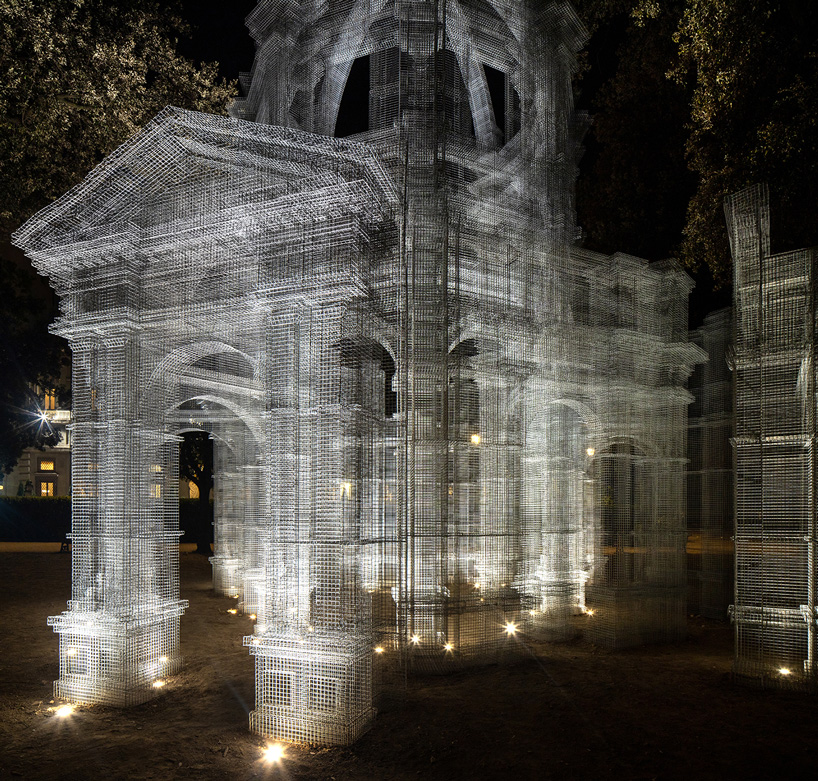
693,100
77,77
754,116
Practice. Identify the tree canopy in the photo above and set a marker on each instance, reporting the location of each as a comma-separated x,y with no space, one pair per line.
77,77
693,100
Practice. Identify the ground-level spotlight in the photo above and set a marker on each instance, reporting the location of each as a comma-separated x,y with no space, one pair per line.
785,671
64,711
158,684
273,753
378,649
589,611
510,628
448,647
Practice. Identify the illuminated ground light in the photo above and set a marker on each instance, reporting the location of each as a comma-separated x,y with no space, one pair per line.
785,671
448,647
232,611
414,639
158,684
510,628
64,711
378,649
589,611
273,753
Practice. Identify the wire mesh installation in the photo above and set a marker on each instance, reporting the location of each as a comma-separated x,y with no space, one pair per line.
774,610
439,426
710,472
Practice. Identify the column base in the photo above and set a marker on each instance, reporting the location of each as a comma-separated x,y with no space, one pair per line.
315,689
114,661
228,576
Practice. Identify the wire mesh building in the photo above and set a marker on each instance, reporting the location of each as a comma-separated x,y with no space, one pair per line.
438,424
710,489
774,610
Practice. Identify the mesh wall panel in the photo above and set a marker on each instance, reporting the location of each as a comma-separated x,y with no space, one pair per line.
710,473
774,608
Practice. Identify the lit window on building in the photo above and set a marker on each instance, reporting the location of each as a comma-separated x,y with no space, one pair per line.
156,491
50,400
46,464
46,488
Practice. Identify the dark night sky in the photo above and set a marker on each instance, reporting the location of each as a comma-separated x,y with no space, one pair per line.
219,34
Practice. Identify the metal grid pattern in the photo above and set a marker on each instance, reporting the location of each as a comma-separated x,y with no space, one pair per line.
774,608
438,425
710,473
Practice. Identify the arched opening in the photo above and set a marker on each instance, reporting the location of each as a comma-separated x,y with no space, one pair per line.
196,461
624,490
505,103
353,112
233,515
558,512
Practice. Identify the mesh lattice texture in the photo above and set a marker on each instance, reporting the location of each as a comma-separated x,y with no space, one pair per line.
438,426
774,450
710,473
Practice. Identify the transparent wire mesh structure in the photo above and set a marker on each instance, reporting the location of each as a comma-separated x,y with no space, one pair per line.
774,611
710,489
439,426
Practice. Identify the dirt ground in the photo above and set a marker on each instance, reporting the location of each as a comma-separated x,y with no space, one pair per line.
570,711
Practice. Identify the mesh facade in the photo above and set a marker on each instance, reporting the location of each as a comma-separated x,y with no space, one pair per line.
439,426
710,473
774,608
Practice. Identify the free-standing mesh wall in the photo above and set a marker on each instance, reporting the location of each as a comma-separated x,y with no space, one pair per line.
438,425
774,610
710,473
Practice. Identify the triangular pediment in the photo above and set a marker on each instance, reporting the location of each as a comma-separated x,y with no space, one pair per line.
187,174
